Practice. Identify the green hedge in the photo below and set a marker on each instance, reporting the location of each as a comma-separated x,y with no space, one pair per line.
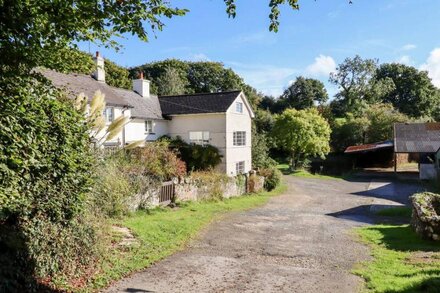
45,174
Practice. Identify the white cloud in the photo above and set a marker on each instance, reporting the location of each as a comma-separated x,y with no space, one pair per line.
432,65
322,66
268,79
408,47
199,57
404,60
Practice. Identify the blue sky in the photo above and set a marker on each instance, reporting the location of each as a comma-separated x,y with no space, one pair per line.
310,42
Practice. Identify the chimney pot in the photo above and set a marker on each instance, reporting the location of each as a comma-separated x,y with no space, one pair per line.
141,75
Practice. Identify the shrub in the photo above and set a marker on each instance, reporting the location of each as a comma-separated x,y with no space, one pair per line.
272,177
197,157
45,174
129,177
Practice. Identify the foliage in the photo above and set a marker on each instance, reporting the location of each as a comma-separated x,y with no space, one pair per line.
116,75
170,83
130,173
272,177
353,78
402,261
303,133
348,131
381,119
196,157
260,151
214,183
303,94
37,27
195,77
412,91
161,232
45,174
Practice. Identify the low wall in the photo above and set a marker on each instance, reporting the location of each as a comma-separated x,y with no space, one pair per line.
201,188
193,189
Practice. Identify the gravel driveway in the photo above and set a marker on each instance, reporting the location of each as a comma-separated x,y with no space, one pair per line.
298,242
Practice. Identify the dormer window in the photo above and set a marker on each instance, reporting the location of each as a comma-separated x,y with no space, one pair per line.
109,114
239,107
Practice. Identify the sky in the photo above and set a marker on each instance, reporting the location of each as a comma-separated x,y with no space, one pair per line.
310,42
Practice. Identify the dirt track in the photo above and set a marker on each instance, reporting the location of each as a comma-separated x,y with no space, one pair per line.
298,242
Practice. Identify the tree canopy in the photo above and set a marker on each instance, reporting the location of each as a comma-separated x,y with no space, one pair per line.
304,93
303,133
194,77
411,90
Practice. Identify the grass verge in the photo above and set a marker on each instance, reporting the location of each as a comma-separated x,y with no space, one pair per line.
284,168
162,231
404,212
402,262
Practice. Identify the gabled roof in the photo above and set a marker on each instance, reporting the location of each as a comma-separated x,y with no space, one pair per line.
74,84
416,137
197,103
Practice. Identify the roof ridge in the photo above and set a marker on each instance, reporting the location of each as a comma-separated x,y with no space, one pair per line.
201,94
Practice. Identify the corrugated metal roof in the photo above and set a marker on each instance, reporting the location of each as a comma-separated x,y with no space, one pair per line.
416,137
369,147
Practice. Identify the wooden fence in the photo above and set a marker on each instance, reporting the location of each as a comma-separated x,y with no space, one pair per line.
167,192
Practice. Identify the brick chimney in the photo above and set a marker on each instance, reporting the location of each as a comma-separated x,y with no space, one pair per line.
99,74
141,86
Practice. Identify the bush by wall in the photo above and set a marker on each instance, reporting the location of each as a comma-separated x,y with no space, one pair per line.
45,174
272,177
197,157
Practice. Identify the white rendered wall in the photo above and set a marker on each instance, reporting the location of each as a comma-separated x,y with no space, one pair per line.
238,122
215,123
135,130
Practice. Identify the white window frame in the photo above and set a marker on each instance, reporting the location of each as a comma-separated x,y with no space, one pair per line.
149,126
239,138
240,167
109,114
199,137
239,107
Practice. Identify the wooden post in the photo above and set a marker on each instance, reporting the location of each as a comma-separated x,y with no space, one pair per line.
395,163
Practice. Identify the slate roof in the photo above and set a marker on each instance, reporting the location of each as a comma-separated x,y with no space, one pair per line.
416,137
197,103
74,84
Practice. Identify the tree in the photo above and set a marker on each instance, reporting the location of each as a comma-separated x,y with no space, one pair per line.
412,91
303,133
170,83
198,77
304,93
348,131
353,78
381,119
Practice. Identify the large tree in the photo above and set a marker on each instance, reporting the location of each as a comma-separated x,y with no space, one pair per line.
411,90
353,78
304,93
302,133
170,83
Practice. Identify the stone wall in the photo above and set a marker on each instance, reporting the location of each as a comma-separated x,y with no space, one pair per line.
426,215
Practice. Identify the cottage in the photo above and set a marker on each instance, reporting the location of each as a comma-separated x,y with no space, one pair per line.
221,119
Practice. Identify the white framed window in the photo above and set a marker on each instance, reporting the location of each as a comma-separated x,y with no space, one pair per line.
199,137
109,114
239,138
149,126
239,167
239,107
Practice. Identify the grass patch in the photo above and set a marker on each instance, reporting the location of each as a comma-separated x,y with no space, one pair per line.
285,169
162,231
403,212
402,261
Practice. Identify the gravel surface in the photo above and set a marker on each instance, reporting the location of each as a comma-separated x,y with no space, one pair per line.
298,242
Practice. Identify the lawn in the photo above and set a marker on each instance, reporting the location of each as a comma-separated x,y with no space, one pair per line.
284,168
404,212
402,262
163,231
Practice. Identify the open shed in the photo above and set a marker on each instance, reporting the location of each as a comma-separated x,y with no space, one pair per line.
422,139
